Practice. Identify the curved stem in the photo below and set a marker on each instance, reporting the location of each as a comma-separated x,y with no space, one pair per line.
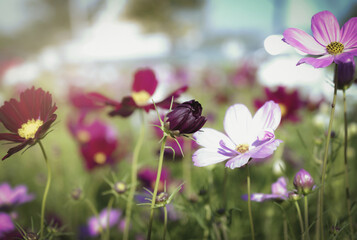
134,171
321,202
249,205
300,219
347,185
165,222
158,176
48,183
306,213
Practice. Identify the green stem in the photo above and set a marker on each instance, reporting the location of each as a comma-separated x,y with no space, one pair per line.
306,213
249,205
225,176
165,222
347,185
285,226
109,208
133,184
187,166
300,219
321,203
48,183
158,176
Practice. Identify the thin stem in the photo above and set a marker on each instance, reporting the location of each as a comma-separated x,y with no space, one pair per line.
347,185
306,213
285,226
134,171
249,204
48,183
187,166
225,176
321,203
300,219
109,208
158,176
165,222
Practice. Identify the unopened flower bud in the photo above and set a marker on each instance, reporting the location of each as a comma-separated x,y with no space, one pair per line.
120,187
345,74
185,118
76,193
162,197
303,182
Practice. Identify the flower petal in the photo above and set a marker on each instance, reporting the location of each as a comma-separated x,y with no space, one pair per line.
210,138
125,108
237,122
207,156
145,80
303,41
256,197
268,116
325,28
238,161
320,62
266,149
19,147
349,33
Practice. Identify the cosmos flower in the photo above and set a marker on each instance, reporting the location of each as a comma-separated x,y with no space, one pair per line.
328,41
97,141
28,120
13,197
98,224
289,102
143,88
147,176
247,137
6,224
279,192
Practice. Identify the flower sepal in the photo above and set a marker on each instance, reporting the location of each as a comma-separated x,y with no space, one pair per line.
162,199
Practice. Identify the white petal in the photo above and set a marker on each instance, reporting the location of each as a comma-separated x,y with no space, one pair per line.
207,156
268,116
238,161
210,138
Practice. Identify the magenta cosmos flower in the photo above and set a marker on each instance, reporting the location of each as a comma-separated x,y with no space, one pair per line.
328,40
12,197
279,192
106,219
143,88
289,102
28,120
247,137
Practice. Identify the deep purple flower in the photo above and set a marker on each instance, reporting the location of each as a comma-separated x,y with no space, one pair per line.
96,225
13,197
345,74
279,192
185,118
6,224
247,137
303,182
143,88
328,40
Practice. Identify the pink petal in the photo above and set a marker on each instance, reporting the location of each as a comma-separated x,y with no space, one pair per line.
268,116
265,150
210,138
320,62
238,161
352,51
303,41
207,156
237,122
349,33
145,80
325,28
344,57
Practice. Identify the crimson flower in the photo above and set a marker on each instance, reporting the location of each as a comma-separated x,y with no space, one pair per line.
143,88
328,40
28,120
289,102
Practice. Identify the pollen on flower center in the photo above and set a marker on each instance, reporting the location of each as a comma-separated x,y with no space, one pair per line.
335,48
100,158
141,98
242,148
29,129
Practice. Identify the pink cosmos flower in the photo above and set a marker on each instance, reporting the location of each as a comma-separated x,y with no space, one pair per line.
247,137
334,44
96,225
6,224
12,197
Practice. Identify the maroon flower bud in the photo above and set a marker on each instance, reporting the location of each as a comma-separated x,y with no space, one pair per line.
185,118
303,182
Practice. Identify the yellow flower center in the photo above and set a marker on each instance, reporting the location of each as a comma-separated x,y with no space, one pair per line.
120,186
141,98
283,109
83,136
242,148
100,158
335,48
29,129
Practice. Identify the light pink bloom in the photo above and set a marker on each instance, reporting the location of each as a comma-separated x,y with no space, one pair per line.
96,225
247,137
328,40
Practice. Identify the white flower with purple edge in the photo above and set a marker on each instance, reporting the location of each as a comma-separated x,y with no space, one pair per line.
247,137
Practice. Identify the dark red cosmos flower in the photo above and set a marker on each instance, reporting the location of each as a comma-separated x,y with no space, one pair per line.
28,120
143,88
289,102
97,141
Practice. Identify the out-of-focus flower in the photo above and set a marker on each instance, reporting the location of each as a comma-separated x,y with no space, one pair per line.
97,224
333,43
248,137
185,118
289,102
345,74
98,142
143,88
245,74
279,192
147,177
80,100
28,120
6,224
303,182
13,197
